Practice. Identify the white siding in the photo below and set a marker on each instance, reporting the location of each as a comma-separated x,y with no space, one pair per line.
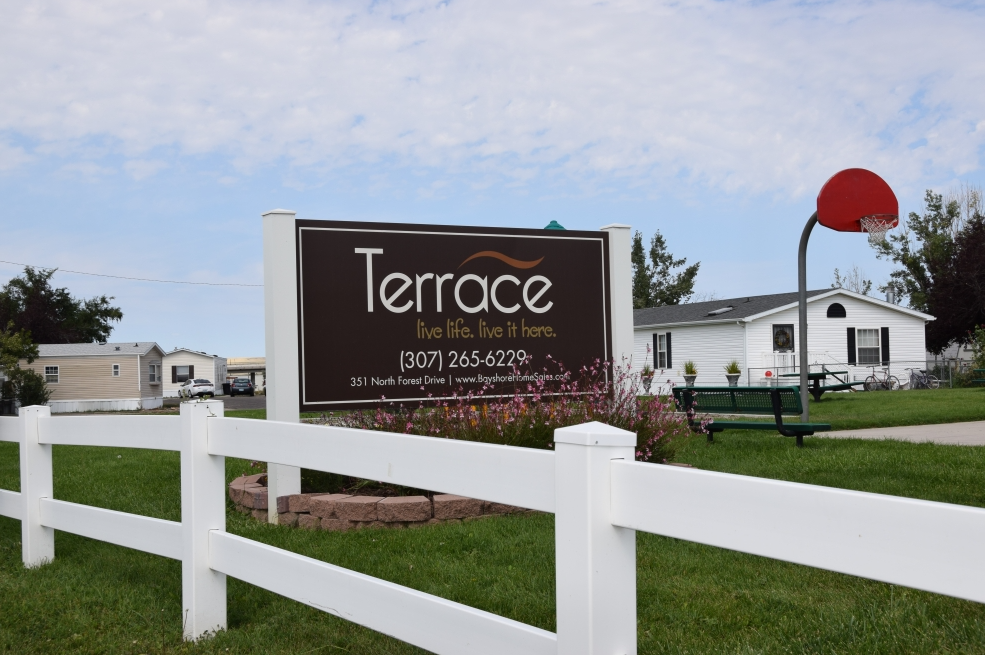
712,345
206,366
709,346
828,337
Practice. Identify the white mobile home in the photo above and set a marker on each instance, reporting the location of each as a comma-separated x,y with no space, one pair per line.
182,364
846,331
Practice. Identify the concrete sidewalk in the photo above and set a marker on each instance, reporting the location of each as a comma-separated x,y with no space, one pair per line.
955,434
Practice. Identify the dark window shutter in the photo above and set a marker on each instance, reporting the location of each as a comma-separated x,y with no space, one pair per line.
656,350
851,346
884,342
191,371
174,375
670,362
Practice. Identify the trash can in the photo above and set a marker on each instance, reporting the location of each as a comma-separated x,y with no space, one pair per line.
225,388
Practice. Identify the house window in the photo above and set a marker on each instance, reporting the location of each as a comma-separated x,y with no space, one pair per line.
154,373
783,338
51,374
116,370
662,357
868,346
837,310
181,373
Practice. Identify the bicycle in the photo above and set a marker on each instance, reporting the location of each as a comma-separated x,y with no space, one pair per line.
923,380
887,382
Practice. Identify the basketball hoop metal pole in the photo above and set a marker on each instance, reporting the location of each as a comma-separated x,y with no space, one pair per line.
802,311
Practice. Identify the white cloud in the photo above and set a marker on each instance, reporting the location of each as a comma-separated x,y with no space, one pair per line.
88,169
142,168
12,156
745,96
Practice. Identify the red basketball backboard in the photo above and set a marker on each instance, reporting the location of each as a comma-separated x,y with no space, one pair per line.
853,194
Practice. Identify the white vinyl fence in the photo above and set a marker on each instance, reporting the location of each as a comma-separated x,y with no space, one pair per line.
599,496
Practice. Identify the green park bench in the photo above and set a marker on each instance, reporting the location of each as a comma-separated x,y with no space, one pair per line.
775,401
980,372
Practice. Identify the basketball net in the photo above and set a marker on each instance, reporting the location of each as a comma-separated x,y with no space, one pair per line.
877,225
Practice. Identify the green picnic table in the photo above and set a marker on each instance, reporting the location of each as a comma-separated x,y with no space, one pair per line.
746,400
816,378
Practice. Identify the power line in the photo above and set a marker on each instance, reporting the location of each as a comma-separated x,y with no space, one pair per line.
139,279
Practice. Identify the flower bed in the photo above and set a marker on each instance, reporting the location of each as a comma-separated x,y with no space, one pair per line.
529,416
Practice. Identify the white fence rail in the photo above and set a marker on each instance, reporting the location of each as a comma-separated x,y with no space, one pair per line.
138,532
599,495
513,476
151,432
897,540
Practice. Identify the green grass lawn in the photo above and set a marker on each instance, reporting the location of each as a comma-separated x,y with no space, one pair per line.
881,409
98,598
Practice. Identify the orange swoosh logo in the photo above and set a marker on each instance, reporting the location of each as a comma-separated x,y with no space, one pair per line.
515,263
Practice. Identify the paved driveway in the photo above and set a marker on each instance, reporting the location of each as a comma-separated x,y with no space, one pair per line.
244,402
971,433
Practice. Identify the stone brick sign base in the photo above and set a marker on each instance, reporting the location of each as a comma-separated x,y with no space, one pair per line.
341,512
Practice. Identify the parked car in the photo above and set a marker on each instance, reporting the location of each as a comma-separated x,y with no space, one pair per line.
196,387
242,386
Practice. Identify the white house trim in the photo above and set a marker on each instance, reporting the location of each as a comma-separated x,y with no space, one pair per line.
846,292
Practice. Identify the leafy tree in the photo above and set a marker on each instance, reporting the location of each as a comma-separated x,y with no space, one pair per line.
854,280
20,383
15,346
642,273
958,296
977,341
655,284
52,315
942,271
30,388
924,248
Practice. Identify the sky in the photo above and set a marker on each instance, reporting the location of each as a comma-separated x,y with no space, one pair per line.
145,140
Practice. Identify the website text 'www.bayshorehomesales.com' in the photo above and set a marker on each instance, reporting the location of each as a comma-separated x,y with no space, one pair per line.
526,377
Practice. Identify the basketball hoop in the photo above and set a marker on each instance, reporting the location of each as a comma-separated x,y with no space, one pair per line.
852,200
876,226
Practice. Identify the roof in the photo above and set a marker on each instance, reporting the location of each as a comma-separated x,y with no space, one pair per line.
696,312
745,308
194,352
96,349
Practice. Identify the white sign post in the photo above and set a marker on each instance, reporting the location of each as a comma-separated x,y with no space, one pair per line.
280,304
621,290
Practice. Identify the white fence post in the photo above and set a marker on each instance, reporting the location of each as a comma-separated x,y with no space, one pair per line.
203,508
280,304
37,541
596,561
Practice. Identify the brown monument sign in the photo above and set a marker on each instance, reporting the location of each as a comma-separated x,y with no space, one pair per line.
408,312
